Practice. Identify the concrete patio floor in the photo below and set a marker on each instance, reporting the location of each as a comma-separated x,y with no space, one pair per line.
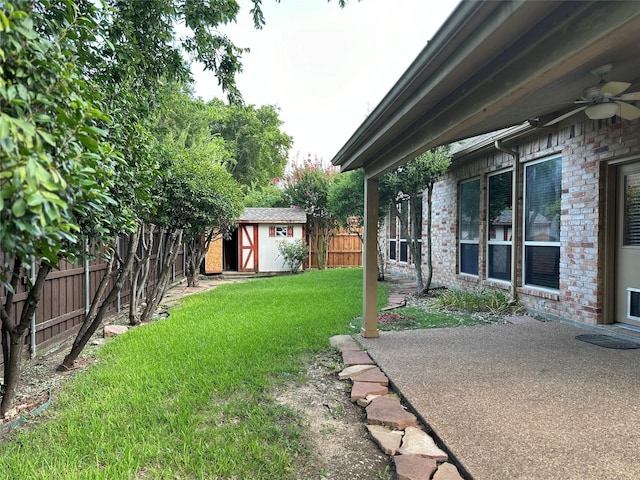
520,401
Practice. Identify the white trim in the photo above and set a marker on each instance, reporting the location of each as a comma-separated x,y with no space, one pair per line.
629,316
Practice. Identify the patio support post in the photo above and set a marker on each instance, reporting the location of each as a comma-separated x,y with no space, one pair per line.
370,260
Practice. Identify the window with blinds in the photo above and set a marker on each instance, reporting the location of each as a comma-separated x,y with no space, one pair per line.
393,222
541,223
631,235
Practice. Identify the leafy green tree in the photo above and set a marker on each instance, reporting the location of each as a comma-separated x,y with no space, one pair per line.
56,167
260,149
346,203
267,197
198,195
307,188
408,183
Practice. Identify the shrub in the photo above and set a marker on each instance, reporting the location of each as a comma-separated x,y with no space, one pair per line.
293,253
482,300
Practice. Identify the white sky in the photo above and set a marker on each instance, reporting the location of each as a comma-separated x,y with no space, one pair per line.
325,67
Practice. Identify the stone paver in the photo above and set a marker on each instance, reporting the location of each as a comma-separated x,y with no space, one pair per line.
414,467
353,357
388,440
373,375
417,442
114,330
347,346
354,371
338,340
447,471
364,389
388,411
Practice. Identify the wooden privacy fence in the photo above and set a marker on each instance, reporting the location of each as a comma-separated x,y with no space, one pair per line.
68,292
345,250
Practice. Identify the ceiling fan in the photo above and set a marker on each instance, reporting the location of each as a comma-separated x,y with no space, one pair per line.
604,100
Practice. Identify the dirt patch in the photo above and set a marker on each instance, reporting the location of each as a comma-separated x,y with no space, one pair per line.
340,443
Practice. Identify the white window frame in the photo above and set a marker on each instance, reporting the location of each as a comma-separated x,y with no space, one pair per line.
531,243
488,228
281,231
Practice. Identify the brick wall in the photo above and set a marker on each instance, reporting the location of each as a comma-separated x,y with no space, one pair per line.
586,149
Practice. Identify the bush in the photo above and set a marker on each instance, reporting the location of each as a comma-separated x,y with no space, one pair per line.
293,253
482,300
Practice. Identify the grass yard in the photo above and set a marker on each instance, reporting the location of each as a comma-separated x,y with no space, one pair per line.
188,397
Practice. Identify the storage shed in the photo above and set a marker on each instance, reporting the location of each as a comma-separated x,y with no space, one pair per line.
253,246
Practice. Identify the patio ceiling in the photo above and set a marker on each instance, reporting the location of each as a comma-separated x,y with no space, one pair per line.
493,65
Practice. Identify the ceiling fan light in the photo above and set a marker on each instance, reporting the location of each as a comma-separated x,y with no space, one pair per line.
601,110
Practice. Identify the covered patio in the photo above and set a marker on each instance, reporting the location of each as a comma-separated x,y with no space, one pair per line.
492,65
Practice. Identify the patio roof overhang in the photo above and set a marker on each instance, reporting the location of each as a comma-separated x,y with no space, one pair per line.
493,65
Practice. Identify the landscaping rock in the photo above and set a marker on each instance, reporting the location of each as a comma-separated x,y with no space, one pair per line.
338,340
388,440
364,402
447,471
353,371
414,467
356,357
417,442
349,346
114,330
362,389
388,411
373,375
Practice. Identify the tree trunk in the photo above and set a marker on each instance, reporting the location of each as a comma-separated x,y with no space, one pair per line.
140,272
13,336
98,309
194,258
155,294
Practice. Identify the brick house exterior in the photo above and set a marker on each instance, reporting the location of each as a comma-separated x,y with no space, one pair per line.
568,269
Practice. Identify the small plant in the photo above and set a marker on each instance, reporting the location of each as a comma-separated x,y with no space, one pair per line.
293,253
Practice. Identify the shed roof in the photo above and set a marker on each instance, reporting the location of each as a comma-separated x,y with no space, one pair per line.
273,215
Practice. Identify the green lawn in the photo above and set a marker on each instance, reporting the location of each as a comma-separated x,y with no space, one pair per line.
188,397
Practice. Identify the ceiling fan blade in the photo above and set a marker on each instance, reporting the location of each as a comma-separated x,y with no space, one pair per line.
611,89
631,96
628,112
562,117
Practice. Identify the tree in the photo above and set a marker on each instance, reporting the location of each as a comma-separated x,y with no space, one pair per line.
259,147
408,183
346,203
307,188
57,168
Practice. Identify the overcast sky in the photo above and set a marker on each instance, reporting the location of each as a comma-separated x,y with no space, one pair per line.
326,68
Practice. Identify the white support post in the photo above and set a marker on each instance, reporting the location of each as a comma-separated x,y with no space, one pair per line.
370,260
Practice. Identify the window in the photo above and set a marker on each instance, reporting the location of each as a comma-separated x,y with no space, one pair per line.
631,235
392,233
469,227
499,224
281,231
404,234
541,223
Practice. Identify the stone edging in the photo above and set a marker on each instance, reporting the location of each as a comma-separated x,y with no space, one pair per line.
397,432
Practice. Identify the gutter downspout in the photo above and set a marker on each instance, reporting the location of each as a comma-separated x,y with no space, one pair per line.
514,215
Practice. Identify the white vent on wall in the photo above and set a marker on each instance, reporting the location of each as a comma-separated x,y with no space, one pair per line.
633,304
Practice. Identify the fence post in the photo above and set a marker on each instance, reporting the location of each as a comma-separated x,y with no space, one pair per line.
86,276
118,298
33,317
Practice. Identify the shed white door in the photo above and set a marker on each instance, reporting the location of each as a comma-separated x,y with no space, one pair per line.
627,276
